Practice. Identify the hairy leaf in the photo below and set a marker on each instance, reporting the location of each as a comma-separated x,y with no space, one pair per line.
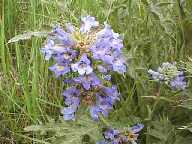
27,35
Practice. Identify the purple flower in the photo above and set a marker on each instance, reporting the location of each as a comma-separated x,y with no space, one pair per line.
94,112
99,109
60,69
47,50
119,65
62,37
133,132
87,81
100,48
108,59
69,112
111,134
72,100
83,66
106,32
101,142
107,48
87,23
64,55
102,69
71,96
111,94
136,128
72,91
178,82
83,52
116,42
114,136
105,99
69,27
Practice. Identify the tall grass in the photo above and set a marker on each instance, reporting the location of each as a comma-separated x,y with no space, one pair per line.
154,32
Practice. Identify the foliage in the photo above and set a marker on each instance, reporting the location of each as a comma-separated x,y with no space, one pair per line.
83,130
154,32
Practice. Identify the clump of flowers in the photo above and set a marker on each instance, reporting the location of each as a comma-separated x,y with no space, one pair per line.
125,136
170,75
86,57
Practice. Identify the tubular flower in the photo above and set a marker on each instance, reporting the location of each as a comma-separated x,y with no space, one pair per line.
88,22
83,66
86,58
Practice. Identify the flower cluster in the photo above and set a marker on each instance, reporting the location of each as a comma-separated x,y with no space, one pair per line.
170,74
114,136
90,54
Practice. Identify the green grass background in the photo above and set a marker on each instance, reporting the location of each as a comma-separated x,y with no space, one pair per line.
154,31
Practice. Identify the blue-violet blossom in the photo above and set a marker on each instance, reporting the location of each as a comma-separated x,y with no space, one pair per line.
86,57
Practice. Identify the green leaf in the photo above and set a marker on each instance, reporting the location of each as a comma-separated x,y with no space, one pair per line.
187,104
162,131
28,35
69,132
164,3
183,140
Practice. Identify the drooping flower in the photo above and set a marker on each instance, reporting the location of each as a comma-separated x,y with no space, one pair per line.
88,22
83,66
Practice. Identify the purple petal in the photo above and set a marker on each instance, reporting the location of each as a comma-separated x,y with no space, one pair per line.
87,23
137,128
86,85
94,112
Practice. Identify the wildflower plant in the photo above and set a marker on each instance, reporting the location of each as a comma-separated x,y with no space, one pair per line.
121,136
85,58
170,74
